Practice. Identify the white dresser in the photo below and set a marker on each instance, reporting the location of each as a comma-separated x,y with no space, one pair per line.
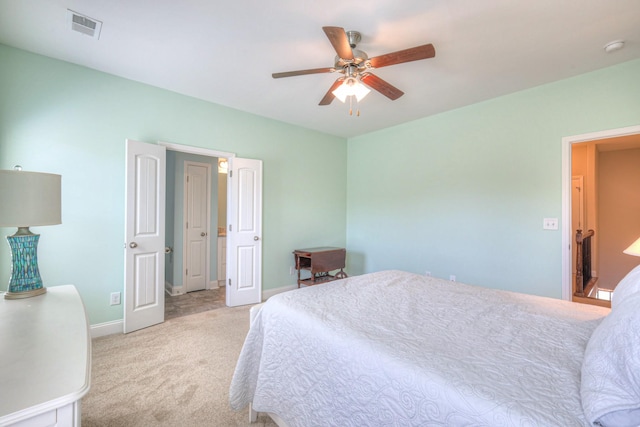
45,354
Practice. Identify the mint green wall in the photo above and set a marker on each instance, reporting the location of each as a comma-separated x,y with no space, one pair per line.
465,192
60,118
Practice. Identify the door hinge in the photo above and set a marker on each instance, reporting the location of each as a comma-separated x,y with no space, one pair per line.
230,227
187,178
229,281
230,173
187,224
187,272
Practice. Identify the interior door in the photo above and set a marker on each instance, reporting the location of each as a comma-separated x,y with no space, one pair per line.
144,235
197,214
244,232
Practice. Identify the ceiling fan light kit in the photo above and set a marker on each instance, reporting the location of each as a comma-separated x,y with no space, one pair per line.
356,67
351,87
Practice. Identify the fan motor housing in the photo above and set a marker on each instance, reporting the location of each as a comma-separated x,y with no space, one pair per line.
359,57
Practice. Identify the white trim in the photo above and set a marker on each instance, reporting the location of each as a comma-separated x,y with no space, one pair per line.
172,290
107,328
266,294
567,141
196,150
115,326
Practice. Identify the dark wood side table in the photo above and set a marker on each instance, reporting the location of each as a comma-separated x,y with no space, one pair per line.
320,262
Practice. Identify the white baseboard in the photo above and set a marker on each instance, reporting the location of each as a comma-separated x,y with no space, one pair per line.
116,326
107,328
271,292
171,290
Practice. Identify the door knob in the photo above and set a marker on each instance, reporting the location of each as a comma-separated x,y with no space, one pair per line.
256,238
133,245
203,234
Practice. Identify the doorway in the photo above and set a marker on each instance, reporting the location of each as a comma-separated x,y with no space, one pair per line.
145,245
194,302
589,149
243,236
196,212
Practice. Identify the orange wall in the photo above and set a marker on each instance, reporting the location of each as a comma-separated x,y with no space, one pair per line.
618,213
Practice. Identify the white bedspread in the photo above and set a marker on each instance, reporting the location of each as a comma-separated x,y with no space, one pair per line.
399,349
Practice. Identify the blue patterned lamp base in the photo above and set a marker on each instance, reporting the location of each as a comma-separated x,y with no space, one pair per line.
25,279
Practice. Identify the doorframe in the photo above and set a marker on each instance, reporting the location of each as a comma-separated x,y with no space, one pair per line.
196,150
185,209
567,239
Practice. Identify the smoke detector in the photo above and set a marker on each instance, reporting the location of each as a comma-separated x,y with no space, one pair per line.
613,46
83,24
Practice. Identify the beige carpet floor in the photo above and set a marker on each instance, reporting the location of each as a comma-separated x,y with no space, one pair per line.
173,374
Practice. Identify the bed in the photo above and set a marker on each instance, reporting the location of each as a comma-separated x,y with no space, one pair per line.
398,349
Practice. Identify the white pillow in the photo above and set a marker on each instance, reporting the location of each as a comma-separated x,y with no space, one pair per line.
621,418
610,386
630,284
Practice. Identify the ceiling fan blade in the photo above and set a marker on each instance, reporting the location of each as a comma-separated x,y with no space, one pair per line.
302,72
339,41
382,86
407,55
328,97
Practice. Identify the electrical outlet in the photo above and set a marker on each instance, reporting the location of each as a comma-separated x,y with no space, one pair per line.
550,224
115,298
452,278
291,270
427,273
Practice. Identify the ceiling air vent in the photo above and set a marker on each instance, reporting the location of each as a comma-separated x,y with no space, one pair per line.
83,24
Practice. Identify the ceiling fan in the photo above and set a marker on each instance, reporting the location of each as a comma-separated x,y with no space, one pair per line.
355,65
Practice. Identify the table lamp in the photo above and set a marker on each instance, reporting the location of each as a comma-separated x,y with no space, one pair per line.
634,249
27,199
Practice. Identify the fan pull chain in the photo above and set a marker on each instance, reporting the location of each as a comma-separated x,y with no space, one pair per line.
351,106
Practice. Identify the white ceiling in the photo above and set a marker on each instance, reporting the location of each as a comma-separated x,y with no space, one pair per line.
225,51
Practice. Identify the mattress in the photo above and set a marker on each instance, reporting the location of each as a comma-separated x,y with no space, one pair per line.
398,349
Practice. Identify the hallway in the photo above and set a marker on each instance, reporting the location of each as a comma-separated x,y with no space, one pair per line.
193,302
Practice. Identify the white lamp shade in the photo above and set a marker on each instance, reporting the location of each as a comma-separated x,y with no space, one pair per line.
351,87
634,249
360,91
29,199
